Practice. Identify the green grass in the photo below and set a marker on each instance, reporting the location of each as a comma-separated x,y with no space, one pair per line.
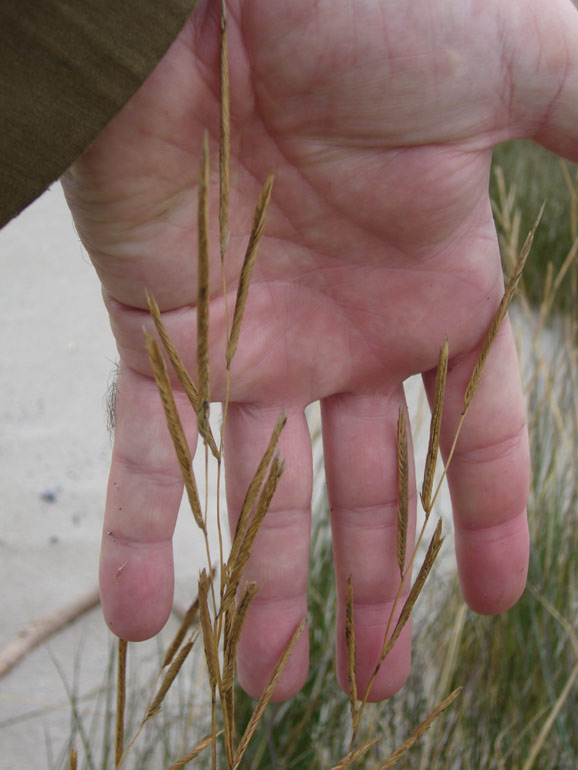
536,175
163,740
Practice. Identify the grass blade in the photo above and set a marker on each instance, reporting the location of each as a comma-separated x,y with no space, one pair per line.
419,731
355,756
201,746
547,726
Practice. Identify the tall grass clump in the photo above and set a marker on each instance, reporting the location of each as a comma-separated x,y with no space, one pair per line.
535,175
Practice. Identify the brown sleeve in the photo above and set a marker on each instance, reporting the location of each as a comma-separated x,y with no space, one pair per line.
66,68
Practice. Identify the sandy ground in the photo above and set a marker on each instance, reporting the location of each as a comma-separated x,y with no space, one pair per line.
56,359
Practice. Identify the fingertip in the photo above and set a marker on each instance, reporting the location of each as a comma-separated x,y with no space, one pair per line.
136,590
493,565
259,651
291,681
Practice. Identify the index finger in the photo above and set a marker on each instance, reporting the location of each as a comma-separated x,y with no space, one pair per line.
144,493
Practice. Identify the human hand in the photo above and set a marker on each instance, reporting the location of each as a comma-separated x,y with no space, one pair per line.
379,120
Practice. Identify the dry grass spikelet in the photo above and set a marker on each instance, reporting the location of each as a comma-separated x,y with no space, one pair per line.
248,265
489,340
180,370
175,426
211,656
435,427
187,621
355,756
201,746
350,647
235,567
233,636
430,557
500,314
403,491
120,701
254,487
170,677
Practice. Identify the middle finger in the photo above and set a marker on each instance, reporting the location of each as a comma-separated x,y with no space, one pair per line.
360,446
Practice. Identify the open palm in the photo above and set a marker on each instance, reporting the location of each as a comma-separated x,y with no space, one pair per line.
378,120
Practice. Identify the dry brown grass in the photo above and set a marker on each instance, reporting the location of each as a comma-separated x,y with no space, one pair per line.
120,702
351,652
419,731
175,426
248,265
169,677
434,432
402,491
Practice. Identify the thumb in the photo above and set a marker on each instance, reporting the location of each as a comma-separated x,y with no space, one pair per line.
544,70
